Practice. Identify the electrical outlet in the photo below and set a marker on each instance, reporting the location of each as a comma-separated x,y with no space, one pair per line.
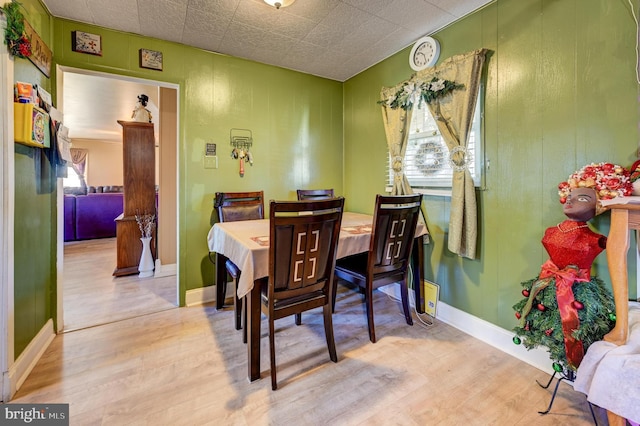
210,161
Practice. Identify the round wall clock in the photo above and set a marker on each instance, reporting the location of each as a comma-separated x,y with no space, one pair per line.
424,54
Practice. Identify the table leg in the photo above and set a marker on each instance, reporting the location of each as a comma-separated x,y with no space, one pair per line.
252,306
417,259
221,277
617,248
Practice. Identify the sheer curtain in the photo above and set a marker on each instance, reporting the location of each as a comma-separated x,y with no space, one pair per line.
79,163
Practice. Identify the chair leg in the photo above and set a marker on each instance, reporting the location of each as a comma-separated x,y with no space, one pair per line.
404,292
237,308
368,299
335,291
244,319
298,319
328,331
272,351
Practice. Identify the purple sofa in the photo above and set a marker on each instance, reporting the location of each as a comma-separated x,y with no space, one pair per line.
91,216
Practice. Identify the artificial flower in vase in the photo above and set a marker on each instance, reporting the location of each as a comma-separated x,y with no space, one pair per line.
146,223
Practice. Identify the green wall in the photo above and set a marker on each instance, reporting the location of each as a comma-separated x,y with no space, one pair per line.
560,92
35,213
295,120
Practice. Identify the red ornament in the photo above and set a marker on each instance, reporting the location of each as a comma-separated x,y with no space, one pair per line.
578,305
541,307
548,331
527,326
518,315
525,292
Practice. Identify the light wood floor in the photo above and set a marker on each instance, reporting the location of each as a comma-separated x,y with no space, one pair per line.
93,296
187,366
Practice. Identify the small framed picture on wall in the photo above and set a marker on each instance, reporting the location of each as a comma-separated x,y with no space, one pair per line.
151,59
86,43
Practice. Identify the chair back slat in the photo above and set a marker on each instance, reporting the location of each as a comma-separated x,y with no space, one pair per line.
303,240
315,194
394,227
236,206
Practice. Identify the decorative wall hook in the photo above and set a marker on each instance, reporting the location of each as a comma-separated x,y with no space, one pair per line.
241,142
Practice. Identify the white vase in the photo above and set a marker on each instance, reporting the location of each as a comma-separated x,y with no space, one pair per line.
145,268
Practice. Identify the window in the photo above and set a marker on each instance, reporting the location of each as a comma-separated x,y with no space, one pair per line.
72,180
427,156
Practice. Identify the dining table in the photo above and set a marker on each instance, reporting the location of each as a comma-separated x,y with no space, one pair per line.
246,243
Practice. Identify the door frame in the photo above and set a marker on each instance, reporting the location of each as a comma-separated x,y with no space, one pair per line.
61,70
7,181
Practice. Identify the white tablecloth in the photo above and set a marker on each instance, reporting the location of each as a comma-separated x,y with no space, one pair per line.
610,375
246,243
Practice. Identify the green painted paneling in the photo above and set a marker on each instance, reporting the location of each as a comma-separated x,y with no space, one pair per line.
295,120
560,92
35,213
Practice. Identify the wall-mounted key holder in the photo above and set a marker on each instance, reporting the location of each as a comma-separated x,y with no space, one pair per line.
241,142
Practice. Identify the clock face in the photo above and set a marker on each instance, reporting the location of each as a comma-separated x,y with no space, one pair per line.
424,53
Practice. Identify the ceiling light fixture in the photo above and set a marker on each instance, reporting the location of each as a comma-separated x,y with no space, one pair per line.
279,3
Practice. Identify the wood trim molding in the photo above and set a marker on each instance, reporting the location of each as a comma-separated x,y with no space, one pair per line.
28,359
7,176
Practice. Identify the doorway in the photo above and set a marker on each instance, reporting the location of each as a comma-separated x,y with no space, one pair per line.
88,293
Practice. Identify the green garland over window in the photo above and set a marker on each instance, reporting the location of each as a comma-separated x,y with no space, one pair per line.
412,92
14,36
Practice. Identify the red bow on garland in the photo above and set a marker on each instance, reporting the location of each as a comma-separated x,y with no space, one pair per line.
564,279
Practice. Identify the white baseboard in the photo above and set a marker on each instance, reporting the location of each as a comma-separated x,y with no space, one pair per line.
201,295
164,270
483,330
27,360
495,336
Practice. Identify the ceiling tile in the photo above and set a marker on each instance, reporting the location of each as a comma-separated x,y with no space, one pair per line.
163,19
334,39
116,14
76,10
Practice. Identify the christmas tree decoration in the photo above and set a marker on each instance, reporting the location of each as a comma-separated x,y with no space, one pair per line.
565,308
545,327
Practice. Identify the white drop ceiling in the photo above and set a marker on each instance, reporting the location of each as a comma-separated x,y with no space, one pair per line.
334,39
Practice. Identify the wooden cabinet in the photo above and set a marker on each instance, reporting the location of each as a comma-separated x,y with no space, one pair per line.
139,169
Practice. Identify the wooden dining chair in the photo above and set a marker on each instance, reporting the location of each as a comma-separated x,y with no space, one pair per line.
232,207
302,256
314,194
387,261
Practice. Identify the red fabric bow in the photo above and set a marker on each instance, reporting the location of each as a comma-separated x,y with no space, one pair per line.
565,278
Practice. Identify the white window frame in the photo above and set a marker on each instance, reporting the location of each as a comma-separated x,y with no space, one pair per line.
73,179
436,175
